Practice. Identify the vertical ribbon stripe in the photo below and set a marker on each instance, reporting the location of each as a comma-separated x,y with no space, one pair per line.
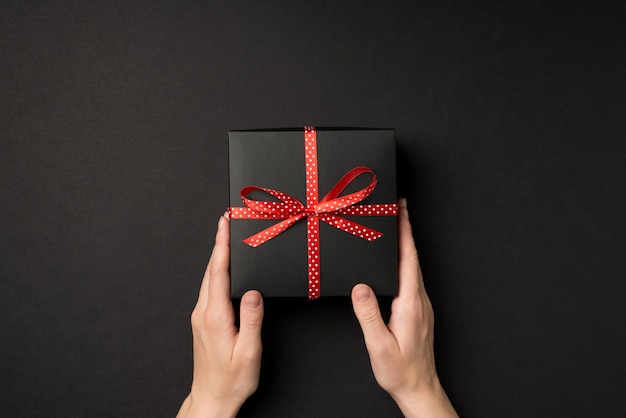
313,223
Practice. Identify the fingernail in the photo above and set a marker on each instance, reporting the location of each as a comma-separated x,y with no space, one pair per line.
362,294
402,202
226,215
253,299
220,224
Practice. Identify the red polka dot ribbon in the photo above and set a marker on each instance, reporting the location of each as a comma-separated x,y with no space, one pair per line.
291,210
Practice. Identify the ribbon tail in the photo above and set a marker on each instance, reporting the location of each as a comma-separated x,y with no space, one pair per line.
350,227
274,230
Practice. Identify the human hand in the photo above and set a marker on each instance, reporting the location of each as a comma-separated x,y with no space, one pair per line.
226,362
401,352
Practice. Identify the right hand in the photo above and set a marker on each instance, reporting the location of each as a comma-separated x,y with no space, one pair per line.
401,352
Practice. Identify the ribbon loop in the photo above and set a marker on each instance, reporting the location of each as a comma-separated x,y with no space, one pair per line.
332,202
286,205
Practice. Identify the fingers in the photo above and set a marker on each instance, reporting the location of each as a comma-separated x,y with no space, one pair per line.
217,272
408,269
368,314
251,319
203,296
407,307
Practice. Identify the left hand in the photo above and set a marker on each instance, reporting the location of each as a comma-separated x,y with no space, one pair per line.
226,361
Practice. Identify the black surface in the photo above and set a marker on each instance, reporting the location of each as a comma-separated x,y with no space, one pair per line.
113,169
276,160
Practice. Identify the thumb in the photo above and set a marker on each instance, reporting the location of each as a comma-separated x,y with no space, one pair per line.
367,312
251,319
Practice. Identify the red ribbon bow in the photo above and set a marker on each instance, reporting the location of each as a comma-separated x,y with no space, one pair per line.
292,210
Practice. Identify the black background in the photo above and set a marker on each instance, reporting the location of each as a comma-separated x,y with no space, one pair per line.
113,168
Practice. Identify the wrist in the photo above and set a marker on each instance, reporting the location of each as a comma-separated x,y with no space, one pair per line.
201,408
428,402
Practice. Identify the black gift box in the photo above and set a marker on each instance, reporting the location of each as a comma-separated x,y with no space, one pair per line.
275,159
